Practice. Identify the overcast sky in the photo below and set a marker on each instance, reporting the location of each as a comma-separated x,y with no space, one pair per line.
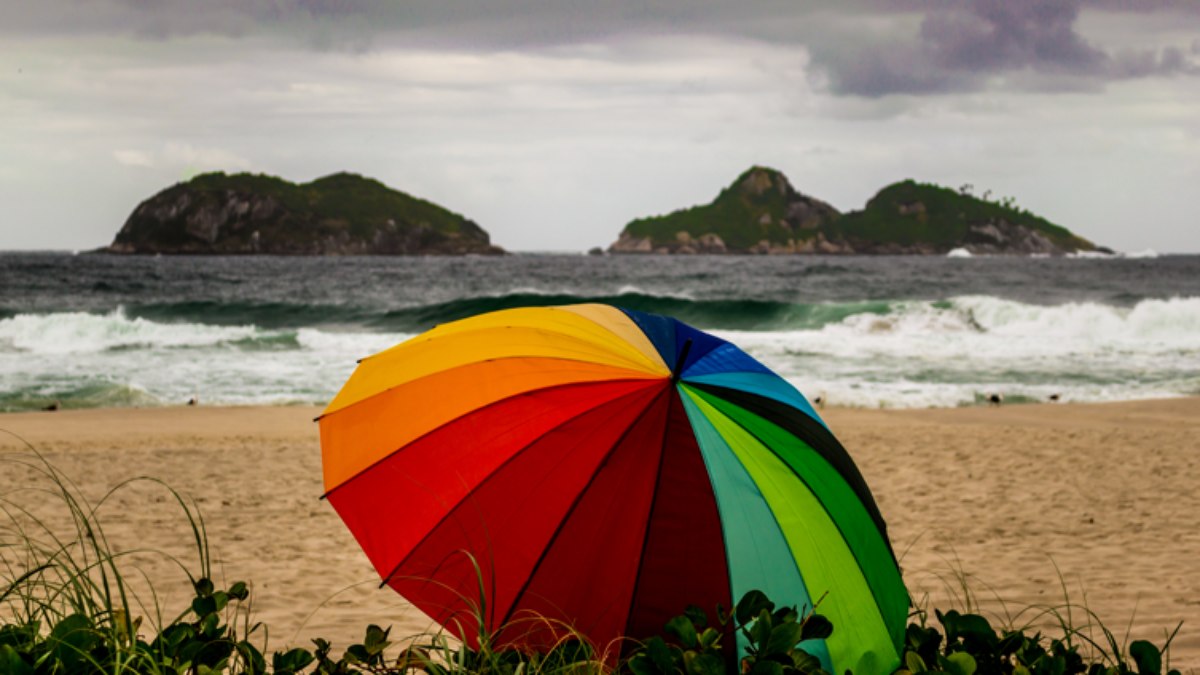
552,123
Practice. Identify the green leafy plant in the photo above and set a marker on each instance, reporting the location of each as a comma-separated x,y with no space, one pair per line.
971,646
773,638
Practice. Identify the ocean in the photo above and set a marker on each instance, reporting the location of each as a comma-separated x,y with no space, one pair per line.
890,332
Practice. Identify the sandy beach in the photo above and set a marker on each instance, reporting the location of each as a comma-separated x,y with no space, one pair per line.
1011,497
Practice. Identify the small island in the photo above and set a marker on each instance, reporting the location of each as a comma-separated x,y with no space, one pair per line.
762,213
341,214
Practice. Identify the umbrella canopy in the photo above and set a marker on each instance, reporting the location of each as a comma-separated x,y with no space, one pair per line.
606,468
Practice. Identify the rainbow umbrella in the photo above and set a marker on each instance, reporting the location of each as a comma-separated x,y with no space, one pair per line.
605,468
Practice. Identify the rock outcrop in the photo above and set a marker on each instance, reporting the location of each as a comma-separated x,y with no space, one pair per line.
761,213
342,214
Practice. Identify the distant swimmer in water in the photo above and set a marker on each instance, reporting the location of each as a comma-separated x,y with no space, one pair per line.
53,406
193,401
819,401
1054,398
996,399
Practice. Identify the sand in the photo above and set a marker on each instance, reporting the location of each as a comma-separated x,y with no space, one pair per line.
1018,499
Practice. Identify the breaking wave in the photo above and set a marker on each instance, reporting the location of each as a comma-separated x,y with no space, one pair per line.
872,353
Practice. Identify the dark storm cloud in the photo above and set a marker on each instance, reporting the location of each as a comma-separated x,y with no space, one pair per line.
1001,34
961,46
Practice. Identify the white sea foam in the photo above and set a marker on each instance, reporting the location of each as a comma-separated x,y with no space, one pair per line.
80,332
634,290
111,359
959,253
1100,255
363,344
917,354
955,352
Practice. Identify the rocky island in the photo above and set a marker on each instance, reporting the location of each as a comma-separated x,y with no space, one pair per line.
761,212
341,214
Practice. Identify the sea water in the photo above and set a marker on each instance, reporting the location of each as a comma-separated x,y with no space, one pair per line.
99,330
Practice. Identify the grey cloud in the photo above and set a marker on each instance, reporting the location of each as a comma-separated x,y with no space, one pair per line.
925,46
1143,63
1002,34
961,47
884,69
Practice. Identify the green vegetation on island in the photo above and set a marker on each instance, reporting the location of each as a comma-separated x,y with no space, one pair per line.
759,206
760,212
909,213
340,214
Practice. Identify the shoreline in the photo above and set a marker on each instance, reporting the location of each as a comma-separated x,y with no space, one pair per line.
834,408
1102,494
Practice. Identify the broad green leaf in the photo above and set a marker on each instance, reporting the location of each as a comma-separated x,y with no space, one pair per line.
706,664
204,605
760,630
210,627
376,639
252,659
967,626
682,628
291,661
805,662
660,655
697,615
784,614
709,637
238,591
922,639
11,662
1147,657
816,627
783,638
643,665
762,667
357,654
958,663
751,605
915,663
71,639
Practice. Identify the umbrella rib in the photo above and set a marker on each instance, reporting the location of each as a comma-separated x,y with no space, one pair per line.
447,423
496,471
574,504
